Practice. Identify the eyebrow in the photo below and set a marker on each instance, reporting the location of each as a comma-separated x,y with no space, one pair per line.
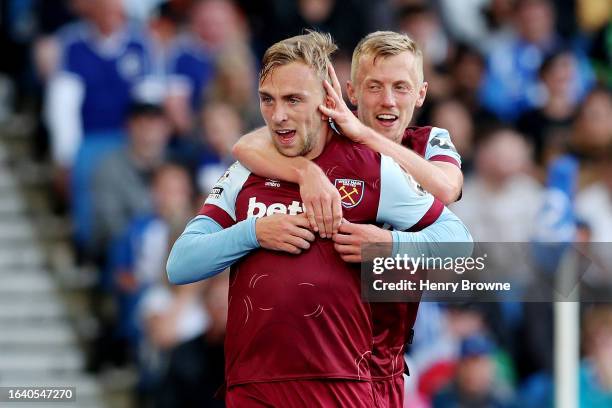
287,96
377,82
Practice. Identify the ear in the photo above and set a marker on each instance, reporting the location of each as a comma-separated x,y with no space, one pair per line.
350,91
422,93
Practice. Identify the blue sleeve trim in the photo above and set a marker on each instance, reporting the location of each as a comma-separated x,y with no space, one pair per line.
204,249
430,241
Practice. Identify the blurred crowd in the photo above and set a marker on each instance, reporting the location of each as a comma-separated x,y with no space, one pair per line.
137,103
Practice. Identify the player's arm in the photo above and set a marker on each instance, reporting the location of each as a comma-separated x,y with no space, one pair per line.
443,179
421,221
321,199
446,229
215,240
205,249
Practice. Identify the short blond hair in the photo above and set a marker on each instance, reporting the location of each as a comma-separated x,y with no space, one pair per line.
385,44
312,48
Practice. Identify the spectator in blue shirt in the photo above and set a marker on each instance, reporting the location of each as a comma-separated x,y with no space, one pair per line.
511,84
213,26
105,62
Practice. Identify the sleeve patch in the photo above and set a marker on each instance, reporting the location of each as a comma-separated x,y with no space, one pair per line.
442,143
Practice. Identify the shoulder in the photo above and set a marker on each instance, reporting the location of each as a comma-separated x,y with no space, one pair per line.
231,182
413,132
416,137
72,36
344,152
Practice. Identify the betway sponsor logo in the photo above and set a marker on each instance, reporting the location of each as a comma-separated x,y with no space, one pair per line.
258,210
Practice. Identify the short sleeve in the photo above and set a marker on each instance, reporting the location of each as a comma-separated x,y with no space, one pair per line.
221,202
441,148
404,204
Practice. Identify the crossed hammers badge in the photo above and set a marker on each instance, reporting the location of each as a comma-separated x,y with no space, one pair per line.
351,191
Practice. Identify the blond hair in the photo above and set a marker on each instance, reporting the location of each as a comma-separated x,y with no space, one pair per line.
313,49
385,44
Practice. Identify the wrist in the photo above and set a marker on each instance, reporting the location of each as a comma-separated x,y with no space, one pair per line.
373,139
362,133
253,232
386,236
306,169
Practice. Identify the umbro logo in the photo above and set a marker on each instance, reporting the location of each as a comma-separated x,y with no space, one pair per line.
272,183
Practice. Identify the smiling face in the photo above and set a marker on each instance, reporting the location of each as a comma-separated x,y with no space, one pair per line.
289,97
386,90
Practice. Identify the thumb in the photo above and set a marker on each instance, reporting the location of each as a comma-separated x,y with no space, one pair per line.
346,227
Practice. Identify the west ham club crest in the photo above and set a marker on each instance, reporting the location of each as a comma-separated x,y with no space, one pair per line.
351,191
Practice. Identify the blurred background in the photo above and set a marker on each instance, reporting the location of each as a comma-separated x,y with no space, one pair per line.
117,117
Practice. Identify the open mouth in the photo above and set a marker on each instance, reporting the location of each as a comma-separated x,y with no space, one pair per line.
285,136
386,119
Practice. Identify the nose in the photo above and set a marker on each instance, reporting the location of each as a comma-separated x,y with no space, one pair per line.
388,98
278,114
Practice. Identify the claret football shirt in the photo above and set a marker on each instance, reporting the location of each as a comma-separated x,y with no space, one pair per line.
301,317
393,322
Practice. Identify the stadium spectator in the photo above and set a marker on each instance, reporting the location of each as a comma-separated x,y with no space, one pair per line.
103,58
235,84
139,254
422,24
511,85
548,126
479,23
490,203
161,325
594,203
451,114
174,321
436,354
221,128
475,384
591,15
214,25
278,19
595,370
601,54
215,301
466,73
591,135
594,209
105,63
164,26
122,181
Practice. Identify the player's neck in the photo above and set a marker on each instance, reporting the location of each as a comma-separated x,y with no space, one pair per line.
322,140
